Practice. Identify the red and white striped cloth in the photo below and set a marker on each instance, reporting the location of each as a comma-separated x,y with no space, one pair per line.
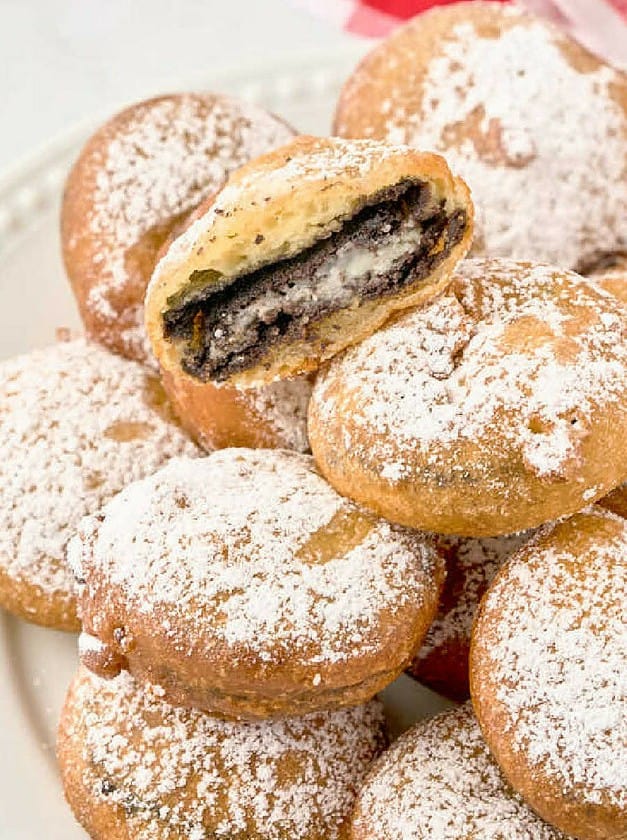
601,25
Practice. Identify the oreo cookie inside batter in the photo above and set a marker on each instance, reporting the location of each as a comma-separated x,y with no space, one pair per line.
398,237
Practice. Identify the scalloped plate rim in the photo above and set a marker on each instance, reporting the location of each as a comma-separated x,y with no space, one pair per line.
35,663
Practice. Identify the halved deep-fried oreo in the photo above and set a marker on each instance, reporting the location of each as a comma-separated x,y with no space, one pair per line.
307,250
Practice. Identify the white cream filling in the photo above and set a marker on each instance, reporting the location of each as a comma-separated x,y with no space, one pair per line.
339,282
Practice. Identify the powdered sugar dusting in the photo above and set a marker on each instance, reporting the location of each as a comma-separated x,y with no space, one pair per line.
174,152
328,160
76,424
538,138
558,657
439,782
89,644
614,281
516,356
283,405
237,544
184,773
471,563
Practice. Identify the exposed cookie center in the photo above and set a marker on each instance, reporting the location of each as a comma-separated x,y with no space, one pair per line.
397,239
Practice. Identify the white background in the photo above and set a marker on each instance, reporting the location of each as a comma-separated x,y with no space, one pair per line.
62,61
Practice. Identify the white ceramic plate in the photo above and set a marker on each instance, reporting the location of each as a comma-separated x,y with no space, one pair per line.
36,664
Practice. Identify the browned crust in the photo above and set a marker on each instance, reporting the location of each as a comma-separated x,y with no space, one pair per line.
216,417
412,48
220,417
202,674
616,501
614,281
101,820
393,79
566,811
442,662
82,249
291,215
104,820
28,601
86,253
444,493
445,669
452,505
